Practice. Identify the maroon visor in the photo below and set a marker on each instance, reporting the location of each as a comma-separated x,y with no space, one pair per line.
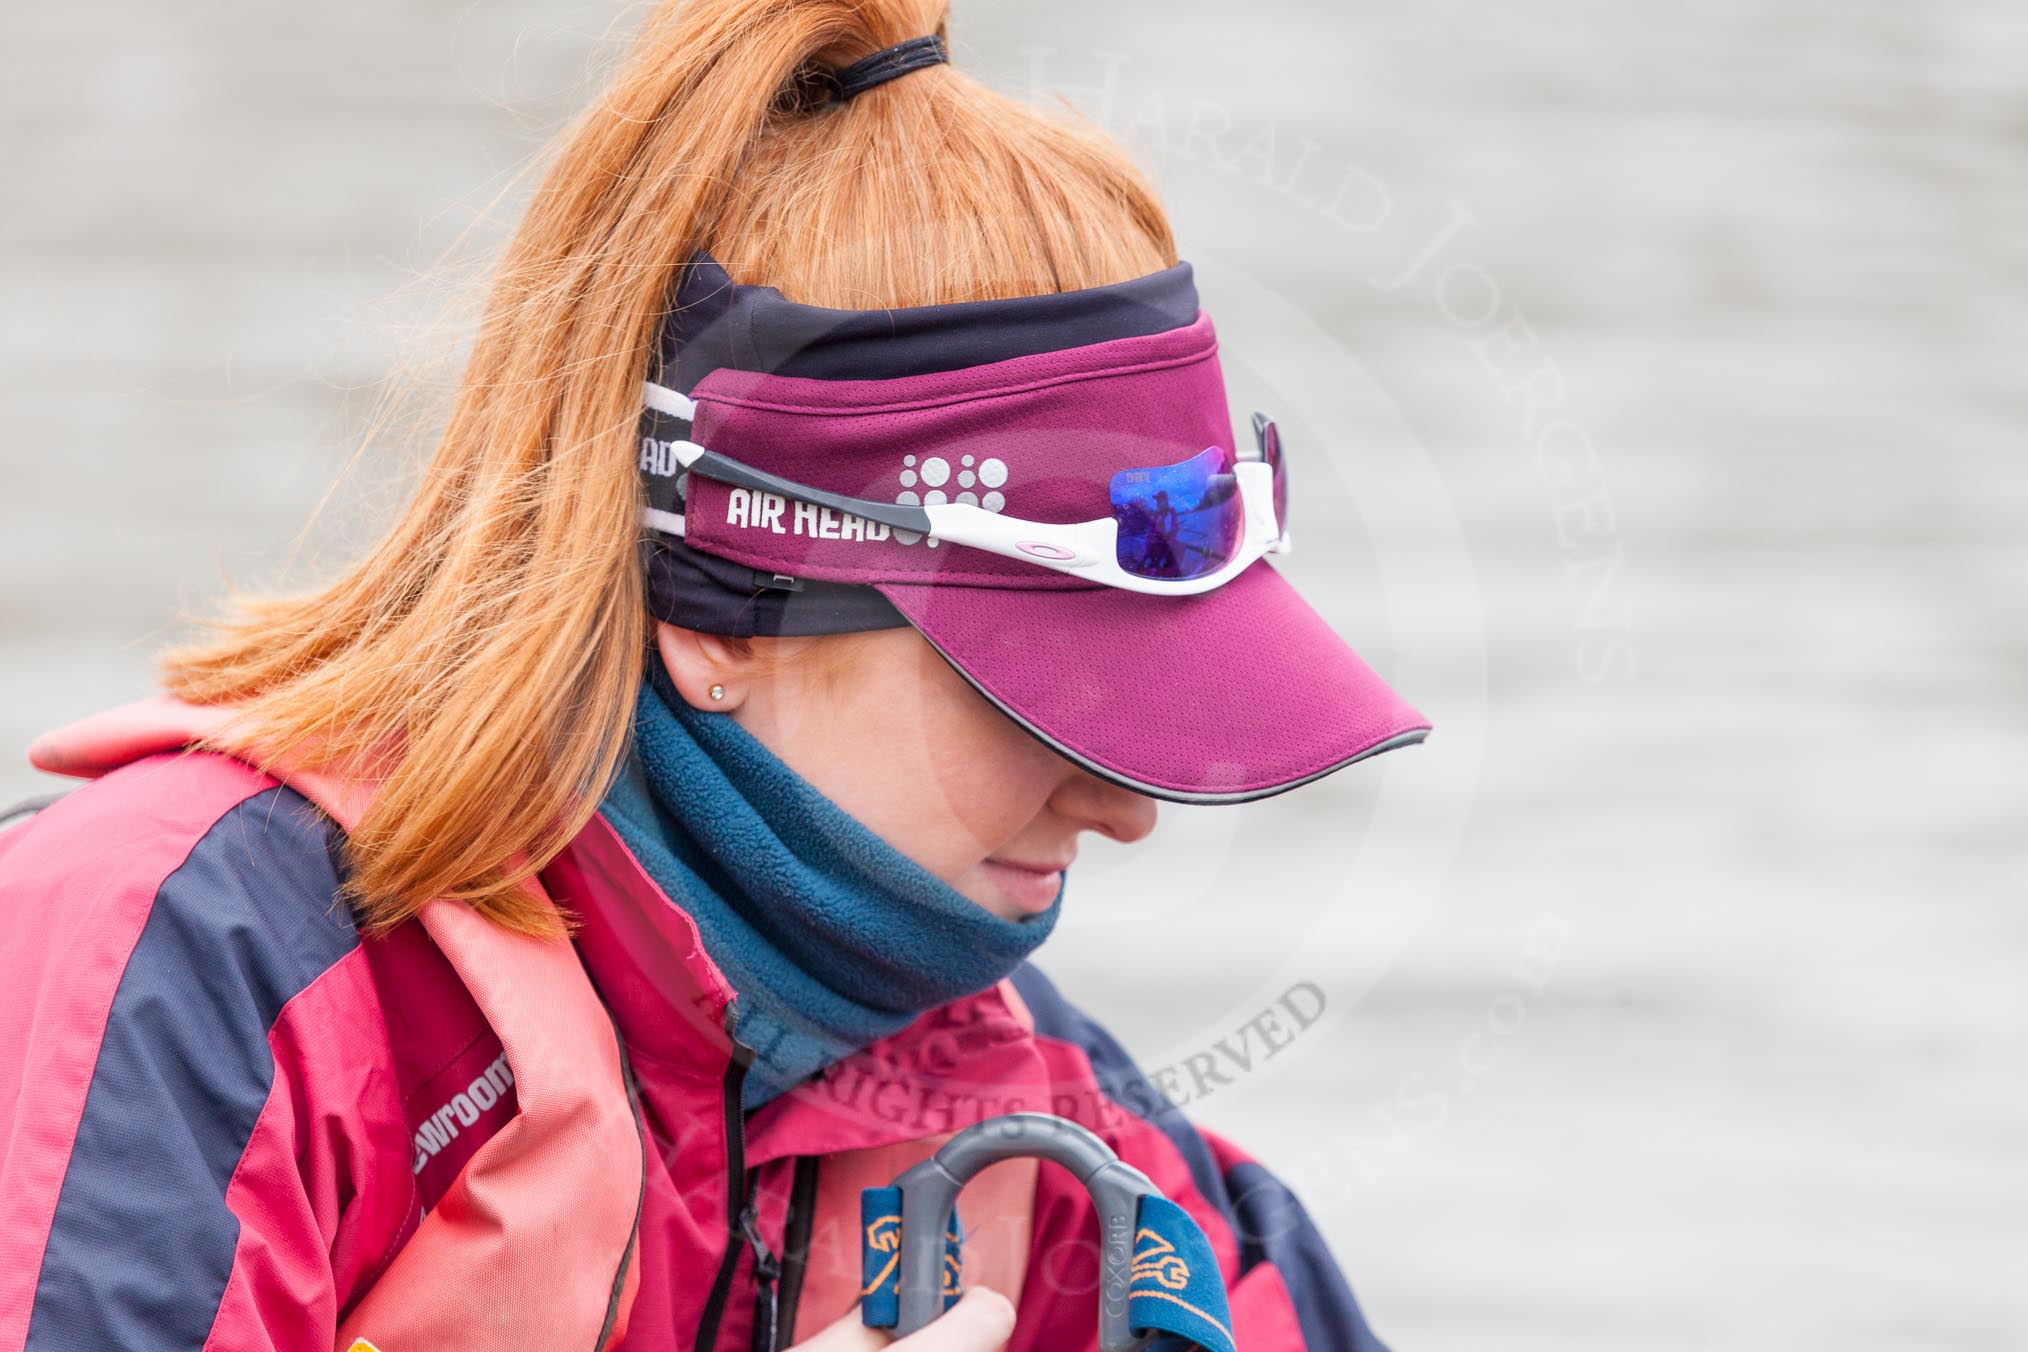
1234,693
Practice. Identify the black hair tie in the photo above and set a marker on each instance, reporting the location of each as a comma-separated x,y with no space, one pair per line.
889,63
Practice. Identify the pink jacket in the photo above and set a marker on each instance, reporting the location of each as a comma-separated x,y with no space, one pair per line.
233,1121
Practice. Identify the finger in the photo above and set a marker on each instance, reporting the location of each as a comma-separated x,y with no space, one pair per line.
849,1334
982,1321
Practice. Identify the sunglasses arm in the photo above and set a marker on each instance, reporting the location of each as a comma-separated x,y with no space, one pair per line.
1066,548
1088,549
725,470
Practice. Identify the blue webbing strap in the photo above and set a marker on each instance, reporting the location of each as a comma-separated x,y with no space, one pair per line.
1175,1287
880,1258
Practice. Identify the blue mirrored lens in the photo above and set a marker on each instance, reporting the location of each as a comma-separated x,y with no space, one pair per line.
1180,521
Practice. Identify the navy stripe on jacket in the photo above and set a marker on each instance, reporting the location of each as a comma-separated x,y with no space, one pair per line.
141,1246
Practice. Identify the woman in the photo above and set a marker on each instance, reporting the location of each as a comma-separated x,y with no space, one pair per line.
467,954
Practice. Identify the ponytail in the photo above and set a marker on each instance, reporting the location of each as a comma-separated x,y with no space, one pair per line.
481,660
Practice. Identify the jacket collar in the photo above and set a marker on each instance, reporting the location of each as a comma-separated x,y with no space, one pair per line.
668,998
971,1058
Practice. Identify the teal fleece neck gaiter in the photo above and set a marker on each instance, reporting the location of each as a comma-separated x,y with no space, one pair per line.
831,937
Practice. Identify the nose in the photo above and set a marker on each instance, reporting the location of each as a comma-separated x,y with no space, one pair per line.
1092,804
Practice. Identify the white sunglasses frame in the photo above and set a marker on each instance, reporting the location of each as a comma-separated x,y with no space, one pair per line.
1086,549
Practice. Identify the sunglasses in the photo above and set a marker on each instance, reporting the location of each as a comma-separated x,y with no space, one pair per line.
1174,530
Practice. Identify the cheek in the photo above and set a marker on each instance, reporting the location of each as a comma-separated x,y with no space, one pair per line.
978,775
931,766
991,779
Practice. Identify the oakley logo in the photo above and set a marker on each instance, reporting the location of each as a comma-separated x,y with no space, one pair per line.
977,486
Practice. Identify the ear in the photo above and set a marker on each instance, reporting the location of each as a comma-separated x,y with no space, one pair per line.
698,662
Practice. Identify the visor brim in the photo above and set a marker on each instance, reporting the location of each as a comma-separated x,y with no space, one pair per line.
1237,693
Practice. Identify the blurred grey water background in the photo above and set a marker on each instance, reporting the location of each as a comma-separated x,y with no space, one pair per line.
1659,374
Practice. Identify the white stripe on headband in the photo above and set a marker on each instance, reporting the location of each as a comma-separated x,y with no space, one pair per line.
665,400
662,399
669,523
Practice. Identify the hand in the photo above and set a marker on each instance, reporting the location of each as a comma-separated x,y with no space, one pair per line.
981,1321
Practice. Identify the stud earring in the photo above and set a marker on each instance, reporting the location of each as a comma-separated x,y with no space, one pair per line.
717,692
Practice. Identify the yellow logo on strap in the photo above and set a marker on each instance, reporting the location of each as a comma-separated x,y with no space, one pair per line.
1163,1265
883,1235
1161,1262
361,1345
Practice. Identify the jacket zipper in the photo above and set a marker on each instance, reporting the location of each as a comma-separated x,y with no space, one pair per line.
796,1226
767,1271
742,1223
736,1199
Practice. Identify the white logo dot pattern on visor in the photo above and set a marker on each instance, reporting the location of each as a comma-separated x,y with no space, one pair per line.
935,472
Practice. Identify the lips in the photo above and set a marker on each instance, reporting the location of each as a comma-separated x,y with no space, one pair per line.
1052,866
1031,887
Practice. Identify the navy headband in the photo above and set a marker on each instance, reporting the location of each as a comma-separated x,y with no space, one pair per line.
715,323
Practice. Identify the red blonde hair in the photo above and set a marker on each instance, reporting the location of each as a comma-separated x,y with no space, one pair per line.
495,633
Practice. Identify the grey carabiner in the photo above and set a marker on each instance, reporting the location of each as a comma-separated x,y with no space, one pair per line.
930,1189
